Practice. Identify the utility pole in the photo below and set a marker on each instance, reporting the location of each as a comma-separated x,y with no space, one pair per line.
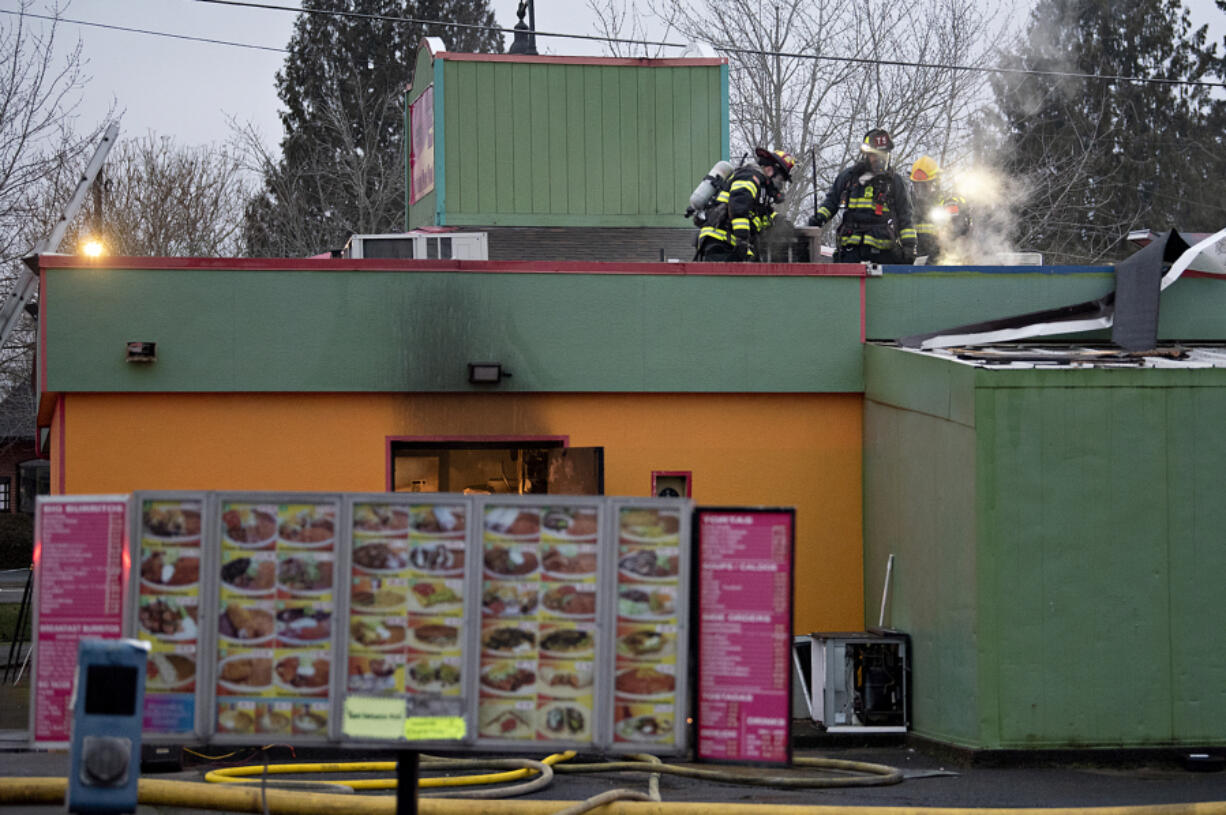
99,186
27,281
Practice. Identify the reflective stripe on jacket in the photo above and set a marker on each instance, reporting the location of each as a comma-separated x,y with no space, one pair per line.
877,208
748,210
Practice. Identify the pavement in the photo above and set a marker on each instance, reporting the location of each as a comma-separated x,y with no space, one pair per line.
13,584
934,776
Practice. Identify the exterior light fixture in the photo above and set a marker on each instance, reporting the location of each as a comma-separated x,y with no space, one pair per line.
486,373
93,248
525,33
142,352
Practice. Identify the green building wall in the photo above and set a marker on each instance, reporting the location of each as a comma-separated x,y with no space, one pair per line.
350,326
1057,536
568,141
1057,532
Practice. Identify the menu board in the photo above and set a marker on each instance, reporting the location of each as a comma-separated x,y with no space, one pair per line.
79,572
406,613
648,708
744,634
504,622
168,607
538,622
276,601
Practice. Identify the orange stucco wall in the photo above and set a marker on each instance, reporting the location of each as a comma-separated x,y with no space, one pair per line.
797,450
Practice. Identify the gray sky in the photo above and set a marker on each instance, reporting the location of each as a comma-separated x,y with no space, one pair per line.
189,89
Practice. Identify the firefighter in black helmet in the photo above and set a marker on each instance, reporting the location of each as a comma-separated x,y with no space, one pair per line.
745,208
877,225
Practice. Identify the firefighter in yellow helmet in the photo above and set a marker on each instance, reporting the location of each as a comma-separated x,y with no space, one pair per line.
940,217
926,196
876,225
745,207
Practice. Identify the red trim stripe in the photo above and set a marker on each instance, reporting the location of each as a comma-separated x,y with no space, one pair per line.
863,308
60,405
469,266
446,439
42,330
689,480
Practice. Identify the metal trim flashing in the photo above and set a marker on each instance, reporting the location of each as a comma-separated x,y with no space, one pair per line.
956,271
440,145
549,59
725,138
573,267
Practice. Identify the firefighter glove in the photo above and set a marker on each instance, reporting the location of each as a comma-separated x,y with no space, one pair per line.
742,250
908,253
817,219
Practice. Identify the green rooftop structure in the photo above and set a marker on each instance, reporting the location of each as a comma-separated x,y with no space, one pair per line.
518,140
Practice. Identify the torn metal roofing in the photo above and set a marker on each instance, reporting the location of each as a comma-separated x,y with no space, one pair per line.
1030,356
1131,310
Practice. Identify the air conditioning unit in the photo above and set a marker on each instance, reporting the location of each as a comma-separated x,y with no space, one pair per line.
420,245
860,681
802,661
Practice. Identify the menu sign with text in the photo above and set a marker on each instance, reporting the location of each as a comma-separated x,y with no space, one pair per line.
79,575
745,561
501,622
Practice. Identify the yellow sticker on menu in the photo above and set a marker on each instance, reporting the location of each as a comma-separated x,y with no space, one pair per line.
420,728
370,717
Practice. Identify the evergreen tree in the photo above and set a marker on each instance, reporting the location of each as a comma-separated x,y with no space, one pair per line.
341,169
1100,156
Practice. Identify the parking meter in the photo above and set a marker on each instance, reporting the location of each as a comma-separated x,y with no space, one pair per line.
108,703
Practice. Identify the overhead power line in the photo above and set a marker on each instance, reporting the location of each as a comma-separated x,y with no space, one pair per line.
731,50
657,43
143,31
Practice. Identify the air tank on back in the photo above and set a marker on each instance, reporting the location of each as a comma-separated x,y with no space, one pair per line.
706,189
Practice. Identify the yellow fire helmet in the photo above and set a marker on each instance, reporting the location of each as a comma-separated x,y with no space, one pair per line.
925,168
781,159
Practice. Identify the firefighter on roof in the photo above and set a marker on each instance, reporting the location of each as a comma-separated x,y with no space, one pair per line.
940,218
877,226
745,207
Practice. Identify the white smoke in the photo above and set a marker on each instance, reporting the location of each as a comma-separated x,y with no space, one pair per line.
992,200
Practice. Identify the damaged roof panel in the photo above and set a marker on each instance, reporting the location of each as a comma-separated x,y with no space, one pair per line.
1031,356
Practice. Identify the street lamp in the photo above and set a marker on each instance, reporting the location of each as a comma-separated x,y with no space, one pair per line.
525,33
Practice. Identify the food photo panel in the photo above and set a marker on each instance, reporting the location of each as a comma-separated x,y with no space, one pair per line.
274,623
539,575
649,617
405,629
168,554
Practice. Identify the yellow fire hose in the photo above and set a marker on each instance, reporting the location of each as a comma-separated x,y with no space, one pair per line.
243,774
235,790
866,774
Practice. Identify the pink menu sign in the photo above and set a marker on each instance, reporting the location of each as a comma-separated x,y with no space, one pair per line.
745,634
79,571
